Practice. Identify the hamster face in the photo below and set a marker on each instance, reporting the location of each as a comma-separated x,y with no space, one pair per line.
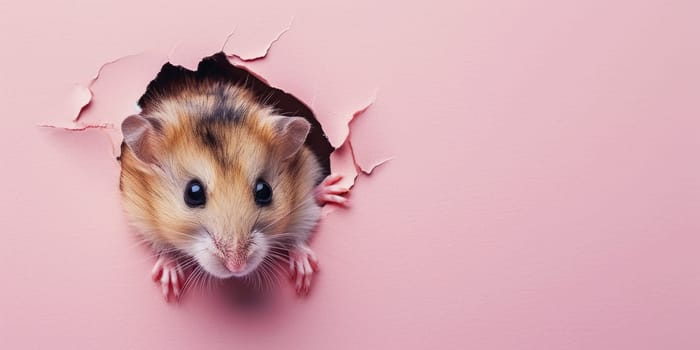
218,178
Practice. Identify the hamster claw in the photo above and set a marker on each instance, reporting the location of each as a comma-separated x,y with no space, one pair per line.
302,265
329,192
168,272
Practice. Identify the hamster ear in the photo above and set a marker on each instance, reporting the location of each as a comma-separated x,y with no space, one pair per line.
140,136
291,133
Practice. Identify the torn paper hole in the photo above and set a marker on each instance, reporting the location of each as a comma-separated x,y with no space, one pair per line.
219,68
112,93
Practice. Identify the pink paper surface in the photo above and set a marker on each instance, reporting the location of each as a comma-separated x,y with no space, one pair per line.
543,190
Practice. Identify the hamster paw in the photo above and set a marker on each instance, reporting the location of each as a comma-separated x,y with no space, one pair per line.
302,265
168,272
329,192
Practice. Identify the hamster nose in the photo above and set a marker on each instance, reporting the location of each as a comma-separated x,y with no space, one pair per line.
235,265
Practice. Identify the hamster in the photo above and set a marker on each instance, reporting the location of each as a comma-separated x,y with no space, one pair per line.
217,182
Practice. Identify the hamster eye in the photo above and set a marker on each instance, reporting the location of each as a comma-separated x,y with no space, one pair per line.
194,194
262,193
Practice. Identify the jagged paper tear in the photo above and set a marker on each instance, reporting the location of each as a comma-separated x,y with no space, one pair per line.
110,96
256,54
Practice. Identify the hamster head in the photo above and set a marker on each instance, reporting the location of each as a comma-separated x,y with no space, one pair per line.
219,178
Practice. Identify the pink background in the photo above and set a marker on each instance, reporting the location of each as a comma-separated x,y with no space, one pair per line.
544,189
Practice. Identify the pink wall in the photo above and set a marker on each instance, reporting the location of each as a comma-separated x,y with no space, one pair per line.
543,193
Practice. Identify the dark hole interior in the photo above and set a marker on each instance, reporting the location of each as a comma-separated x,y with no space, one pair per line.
218,67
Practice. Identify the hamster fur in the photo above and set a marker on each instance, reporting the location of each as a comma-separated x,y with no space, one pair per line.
219,136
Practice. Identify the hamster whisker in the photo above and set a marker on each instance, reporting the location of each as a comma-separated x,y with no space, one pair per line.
188,263
189,279
275,263
257,278
266,278
279,252
197,271
256,220
209,281
275,258
277,255
275,270
266,275
199,281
